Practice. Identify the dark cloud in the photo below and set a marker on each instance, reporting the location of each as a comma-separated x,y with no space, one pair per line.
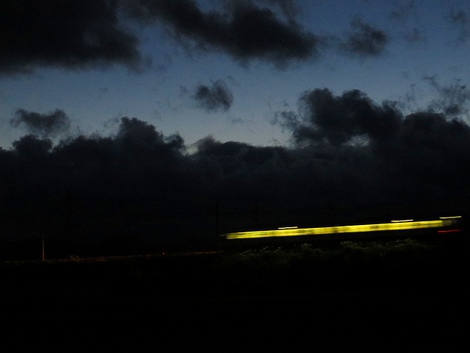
245,32
44,125
98,34
63,33
138,134
31,146
461,19
453,99
215,97
429,150
338,120
326,119
364,39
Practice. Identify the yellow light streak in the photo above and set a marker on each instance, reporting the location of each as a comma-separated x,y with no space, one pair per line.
356,228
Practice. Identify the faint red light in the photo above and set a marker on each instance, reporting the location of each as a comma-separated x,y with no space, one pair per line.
448,230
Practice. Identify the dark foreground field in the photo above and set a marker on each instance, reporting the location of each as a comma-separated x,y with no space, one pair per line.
397,296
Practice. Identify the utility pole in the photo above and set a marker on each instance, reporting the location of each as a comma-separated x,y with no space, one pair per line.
43,254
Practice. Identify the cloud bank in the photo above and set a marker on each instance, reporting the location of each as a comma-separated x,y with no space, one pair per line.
351,159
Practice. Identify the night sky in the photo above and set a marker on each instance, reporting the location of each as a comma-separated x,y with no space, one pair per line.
173,118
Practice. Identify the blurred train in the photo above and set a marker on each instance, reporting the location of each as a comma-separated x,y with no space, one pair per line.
444,225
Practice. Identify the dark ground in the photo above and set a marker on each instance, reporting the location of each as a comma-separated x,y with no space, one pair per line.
414,302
